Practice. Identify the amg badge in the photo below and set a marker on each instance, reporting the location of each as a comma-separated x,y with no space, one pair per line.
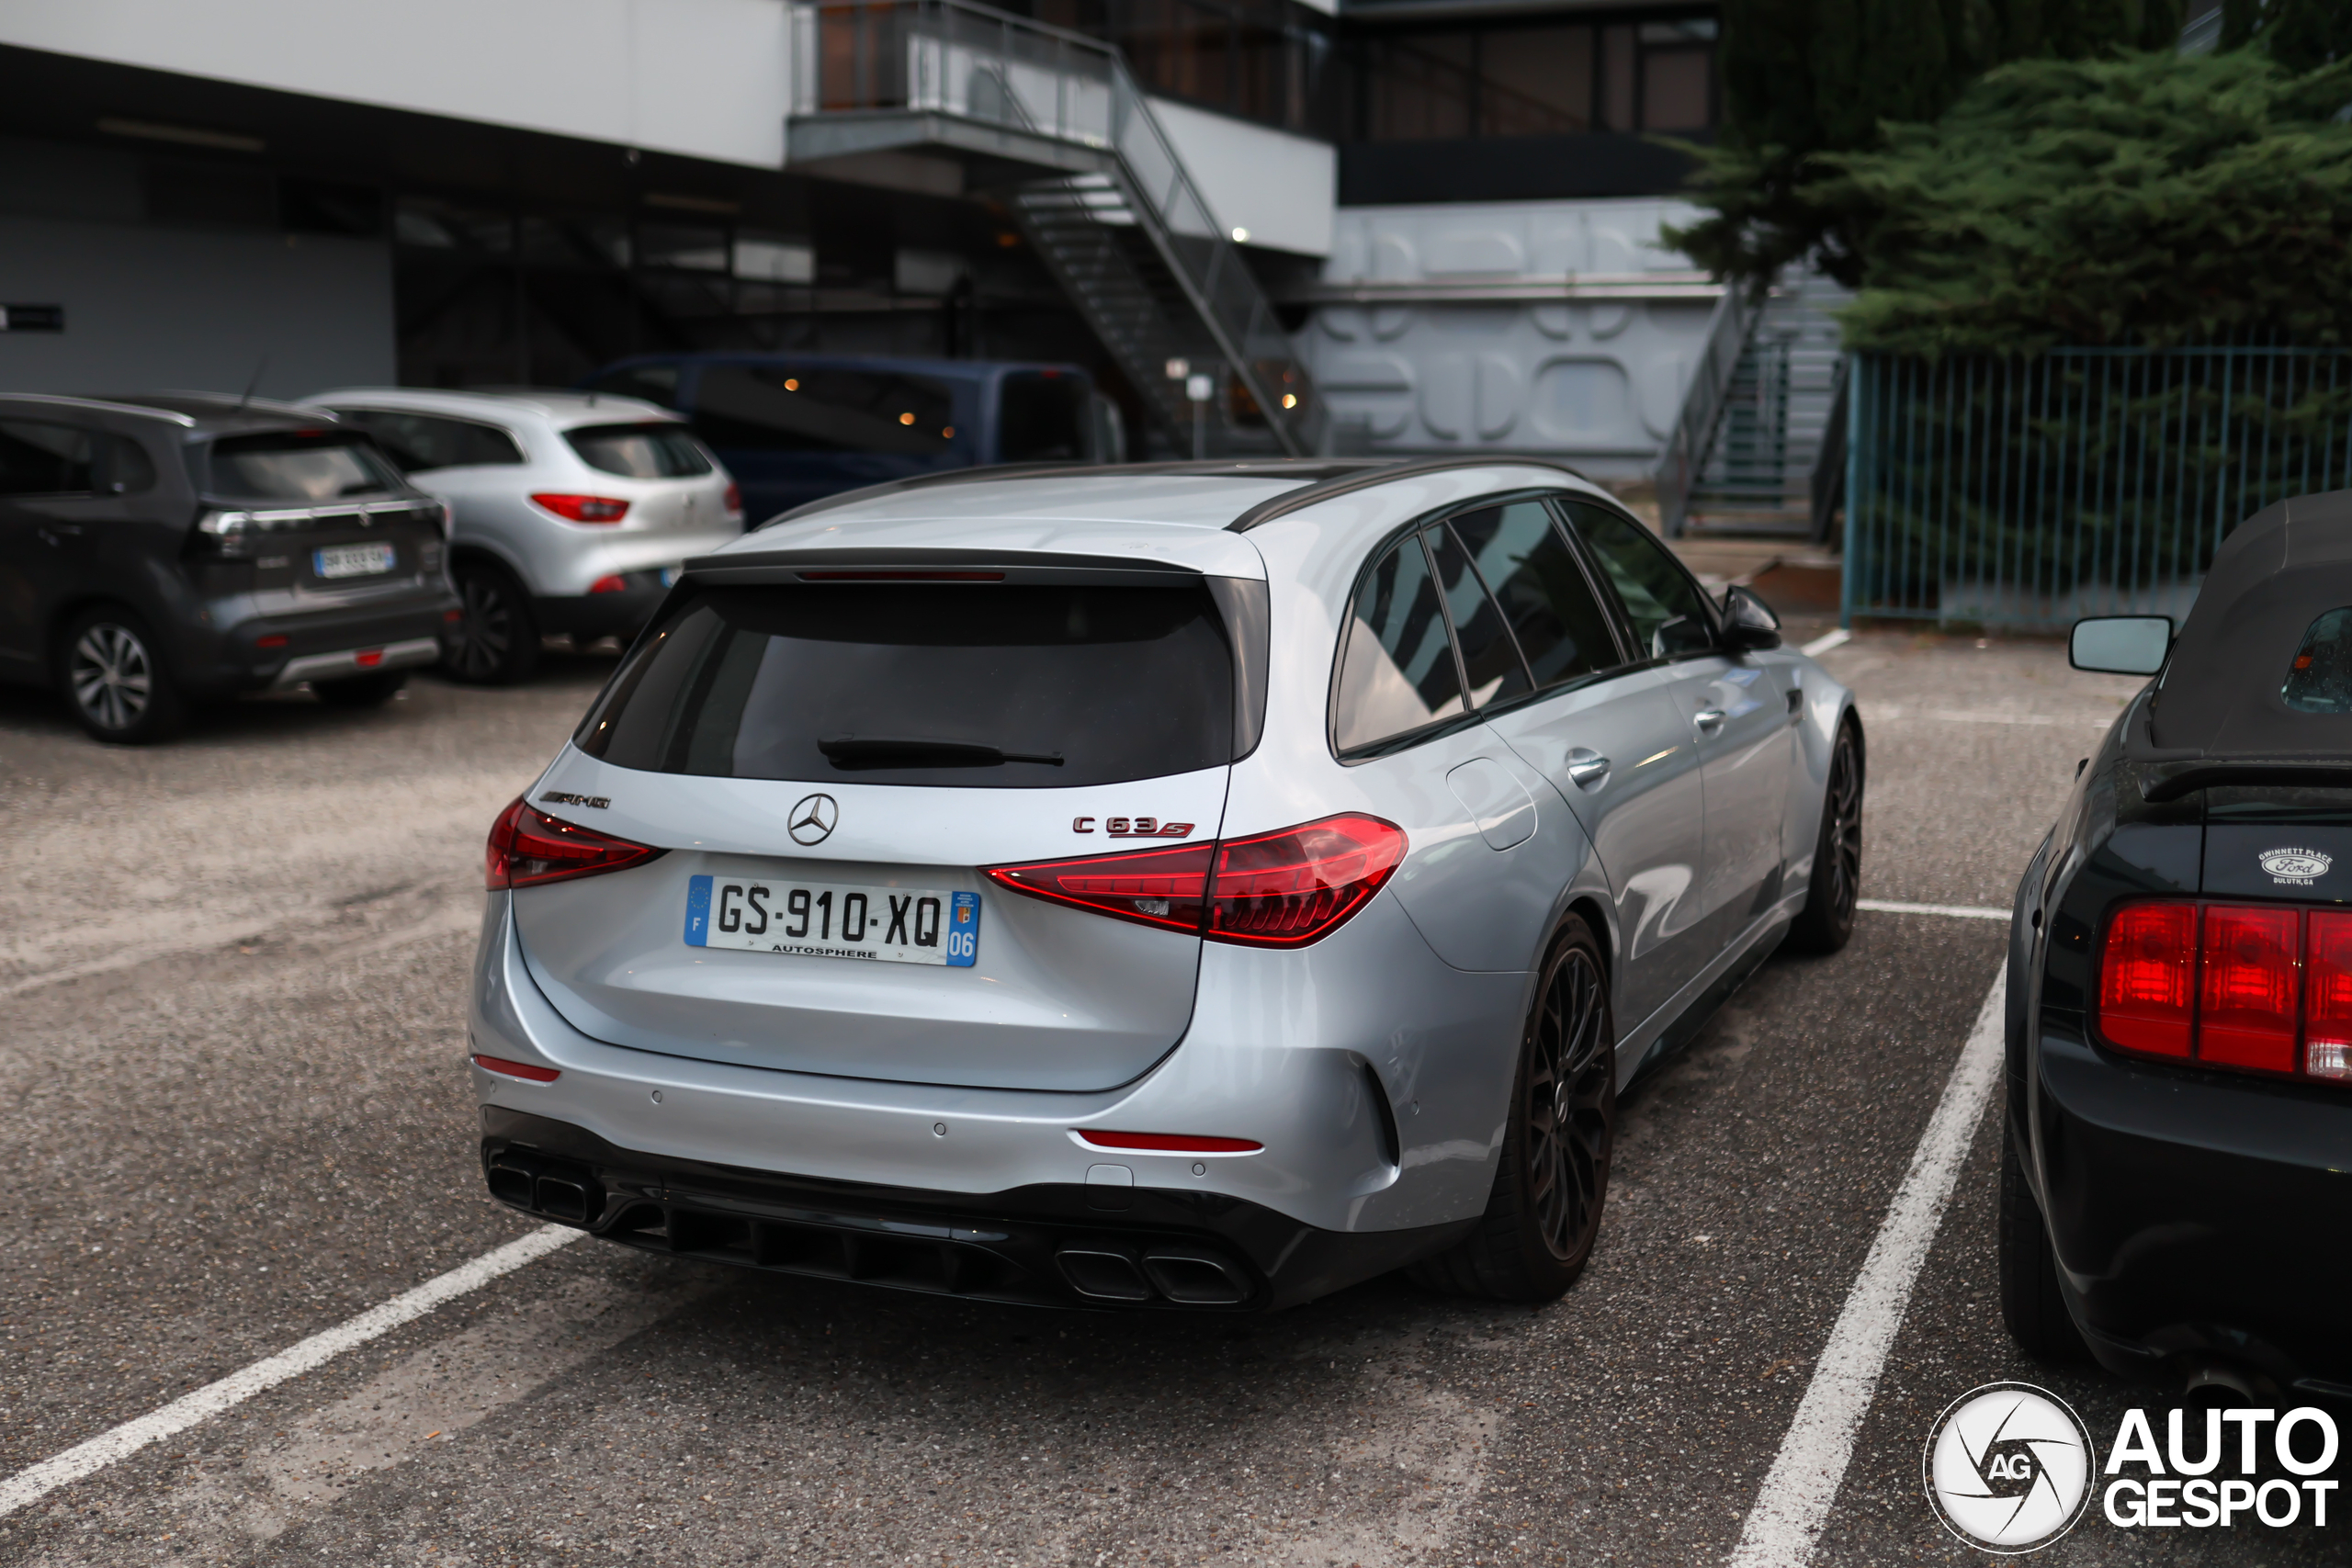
593,802
2295,868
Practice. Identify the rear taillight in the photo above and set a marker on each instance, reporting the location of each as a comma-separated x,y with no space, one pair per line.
528,847
733,504
2260,987
609,585
1283,889
582,508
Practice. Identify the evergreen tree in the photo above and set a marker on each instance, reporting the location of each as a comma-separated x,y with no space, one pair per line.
2301,35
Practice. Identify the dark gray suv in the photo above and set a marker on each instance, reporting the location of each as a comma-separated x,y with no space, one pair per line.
160,551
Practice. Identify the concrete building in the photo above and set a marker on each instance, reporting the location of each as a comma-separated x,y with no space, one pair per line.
1410,225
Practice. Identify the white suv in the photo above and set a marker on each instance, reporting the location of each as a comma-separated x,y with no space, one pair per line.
571,511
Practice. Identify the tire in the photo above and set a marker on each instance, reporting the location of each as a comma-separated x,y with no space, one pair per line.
1827,921
498,638
1545,1212
113,680
361,691
2032,1305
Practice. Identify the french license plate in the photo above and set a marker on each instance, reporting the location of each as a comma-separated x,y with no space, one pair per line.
818,920
353,561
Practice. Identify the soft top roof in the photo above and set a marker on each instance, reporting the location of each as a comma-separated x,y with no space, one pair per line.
2280,571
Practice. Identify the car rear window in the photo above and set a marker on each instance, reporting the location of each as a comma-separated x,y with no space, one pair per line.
2319,680
1042,418
1119,683
662,451
297,465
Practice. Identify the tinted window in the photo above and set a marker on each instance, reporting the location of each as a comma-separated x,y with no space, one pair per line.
421,443
1669,613
640,451
1534,576
43,459
297,465
1396,672
124,467
1489,657
2320,678
1042,419
768,409
748,682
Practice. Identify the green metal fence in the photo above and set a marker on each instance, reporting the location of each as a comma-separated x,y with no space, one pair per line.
2028,491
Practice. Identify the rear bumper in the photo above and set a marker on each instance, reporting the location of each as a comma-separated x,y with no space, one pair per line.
344,663
2199,1217
320,646
1062,1244
587,617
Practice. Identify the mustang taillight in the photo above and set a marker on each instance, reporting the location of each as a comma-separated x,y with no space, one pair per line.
1281,889
528,847
2260,987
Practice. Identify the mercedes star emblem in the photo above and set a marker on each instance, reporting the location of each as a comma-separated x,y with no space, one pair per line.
813,819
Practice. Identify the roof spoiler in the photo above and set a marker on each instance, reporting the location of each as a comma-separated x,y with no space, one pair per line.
2171,782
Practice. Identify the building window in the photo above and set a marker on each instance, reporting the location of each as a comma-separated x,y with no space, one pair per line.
1547,79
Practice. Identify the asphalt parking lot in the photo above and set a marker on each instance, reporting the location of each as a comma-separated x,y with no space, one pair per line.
234,1114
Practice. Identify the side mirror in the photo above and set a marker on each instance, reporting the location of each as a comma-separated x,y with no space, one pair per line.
1748,622
2120,645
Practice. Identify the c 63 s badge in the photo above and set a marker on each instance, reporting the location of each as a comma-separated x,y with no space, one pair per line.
1133,826
2294,867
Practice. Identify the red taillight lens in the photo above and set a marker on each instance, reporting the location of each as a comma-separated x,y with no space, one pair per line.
2146,978
1168,1143
1286,889
528,847
1283,889
734,501
2327,996
609,585
524,1070
582,508
2246,990
1156,887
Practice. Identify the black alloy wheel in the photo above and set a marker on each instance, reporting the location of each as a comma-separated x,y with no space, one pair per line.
118,689
1827,921
1545,1212
498,637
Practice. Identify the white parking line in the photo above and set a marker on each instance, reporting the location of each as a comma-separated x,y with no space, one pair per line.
36,1481
1826,641
1957,911
1803,1483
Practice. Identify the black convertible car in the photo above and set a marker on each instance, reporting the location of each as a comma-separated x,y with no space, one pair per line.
2176,1175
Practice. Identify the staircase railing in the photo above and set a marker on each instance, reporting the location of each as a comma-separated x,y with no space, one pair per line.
972,64
1703,405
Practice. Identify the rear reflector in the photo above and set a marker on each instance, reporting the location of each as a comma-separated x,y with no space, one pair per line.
368,657
517,1069
582,508
277,639
1283,889
609,585
1167,1143
528,847
2260,987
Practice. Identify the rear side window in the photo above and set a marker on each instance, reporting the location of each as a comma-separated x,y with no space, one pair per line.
297,465
925,685
422,443
781,409
2320,678
1669,613
1042,418
662,451
1397,671
40,458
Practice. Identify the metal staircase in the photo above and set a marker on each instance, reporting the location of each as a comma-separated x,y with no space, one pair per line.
1751,446
1054,124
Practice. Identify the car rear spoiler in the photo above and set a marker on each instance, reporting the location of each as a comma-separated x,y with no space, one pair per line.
2171,781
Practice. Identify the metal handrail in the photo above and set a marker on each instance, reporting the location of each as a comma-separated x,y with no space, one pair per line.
1703,404
973,62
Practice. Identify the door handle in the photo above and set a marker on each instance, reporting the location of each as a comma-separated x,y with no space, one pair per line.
1708,720
1587,767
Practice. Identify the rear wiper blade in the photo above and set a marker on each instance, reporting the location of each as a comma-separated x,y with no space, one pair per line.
852,751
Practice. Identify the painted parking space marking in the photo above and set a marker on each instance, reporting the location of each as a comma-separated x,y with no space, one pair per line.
1955,911
1826,641
36,1481
1796,1499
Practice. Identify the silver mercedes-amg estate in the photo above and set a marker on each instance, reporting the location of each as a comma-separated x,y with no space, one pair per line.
1196,885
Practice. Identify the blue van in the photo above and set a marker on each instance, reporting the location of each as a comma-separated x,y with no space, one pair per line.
792,427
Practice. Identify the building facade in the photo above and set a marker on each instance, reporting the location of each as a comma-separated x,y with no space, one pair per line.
1406,225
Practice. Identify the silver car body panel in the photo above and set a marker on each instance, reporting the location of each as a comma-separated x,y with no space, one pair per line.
1427,986
668,519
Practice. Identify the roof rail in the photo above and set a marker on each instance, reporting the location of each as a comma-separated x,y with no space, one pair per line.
1364,477
107,406
1310,470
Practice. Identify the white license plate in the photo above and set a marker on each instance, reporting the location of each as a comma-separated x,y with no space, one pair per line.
353,561
821,920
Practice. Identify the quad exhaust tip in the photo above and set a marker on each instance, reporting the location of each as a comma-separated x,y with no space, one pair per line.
557,1189
1184,1276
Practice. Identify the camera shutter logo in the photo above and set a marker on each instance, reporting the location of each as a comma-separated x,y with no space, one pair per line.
813,819
2009,1468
